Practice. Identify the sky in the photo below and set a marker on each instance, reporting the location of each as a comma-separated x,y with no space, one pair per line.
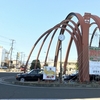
24,21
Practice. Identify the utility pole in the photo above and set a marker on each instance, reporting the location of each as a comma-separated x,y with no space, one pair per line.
21,58
24,59
11,53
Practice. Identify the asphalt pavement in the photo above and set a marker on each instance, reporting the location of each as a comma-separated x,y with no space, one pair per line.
11,78
16,91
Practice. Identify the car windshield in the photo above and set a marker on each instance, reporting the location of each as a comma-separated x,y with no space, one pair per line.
39,71
29,72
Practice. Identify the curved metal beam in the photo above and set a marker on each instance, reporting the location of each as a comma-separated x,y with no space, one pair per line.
93,35
49,46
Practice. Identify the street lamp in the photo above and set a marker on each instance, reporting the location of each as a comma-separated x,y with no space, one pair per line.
61,38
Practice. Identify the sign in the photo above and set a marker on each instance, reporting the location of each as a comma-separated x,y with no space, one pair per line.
49,73
94,53
94,67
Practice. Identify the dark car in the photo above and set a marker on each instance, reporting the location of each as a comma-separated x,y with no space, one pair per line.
74,77
71,77
32,75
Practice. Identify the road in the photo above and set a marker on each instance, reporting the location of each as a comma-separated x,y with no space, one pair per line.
9,91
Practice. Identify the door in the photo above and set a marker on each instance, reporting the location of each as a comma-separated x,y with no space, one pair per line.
33,75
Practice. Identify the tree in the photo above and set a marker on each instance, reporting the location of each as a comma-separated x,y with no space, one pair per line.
46,64
33,64
77,67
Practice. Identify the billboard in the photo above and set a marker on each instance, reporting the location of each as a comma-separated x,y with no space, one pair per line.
94,60
49,73
94,67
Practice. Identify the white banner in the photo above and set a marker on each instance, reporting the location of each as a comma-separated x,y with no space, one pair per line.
94,67
49,73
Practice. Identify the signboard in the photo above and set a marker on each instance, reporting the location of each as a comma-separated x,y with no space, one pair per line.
94,53
49,73
94,67
94,63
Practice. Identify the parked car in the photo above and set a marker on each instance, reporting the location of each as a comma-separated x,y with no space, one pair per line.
32,75
71,77
94,77
22,68
3,67
74,77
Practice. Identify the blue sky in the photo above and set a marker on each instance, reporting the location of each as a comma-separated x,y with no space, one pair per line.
26,20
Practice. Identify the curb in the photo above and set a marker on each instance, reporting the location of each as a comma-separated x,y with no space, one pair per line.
57,84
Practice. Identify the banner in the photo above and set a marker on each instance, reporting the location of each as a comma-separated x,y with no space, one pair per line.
49,73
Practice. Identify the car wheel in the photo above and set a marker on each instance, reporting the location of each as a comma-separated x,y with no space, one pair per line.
22,79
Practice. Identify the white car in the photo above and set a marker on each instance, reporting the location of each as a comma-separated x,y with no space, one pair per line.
0,67
3,67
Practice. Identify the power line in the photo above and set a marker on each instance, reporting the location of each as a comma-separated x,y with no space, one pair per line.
4,37
5,43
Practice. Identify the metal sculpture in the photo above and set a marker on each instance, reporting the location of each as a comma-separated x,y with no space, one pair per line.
79,34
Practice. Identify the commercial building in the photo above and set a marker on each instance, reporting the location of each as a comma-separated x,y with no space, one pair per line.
3,56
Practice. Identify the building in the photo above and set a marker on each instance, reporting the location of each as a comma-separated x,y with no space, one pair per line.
70,68
3,56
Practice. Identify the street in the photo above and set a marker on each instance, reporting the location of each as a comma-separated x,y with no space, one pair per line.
9,91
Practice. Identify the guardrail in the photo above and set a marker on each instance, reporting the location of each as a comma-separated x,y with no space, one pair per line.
10,70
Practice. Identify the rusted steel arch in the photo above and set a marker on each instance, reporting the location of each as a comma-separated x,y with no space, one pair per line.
79,43
96,19
58,43
93,35
48,31
34,47
74,33
78,16
93,32
85,38
76,27
84,70
70,42
49,46
97,22
79,34
41,47
65,23
67,54
57,48
56,28
92,23
84,26
81,25
81,20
